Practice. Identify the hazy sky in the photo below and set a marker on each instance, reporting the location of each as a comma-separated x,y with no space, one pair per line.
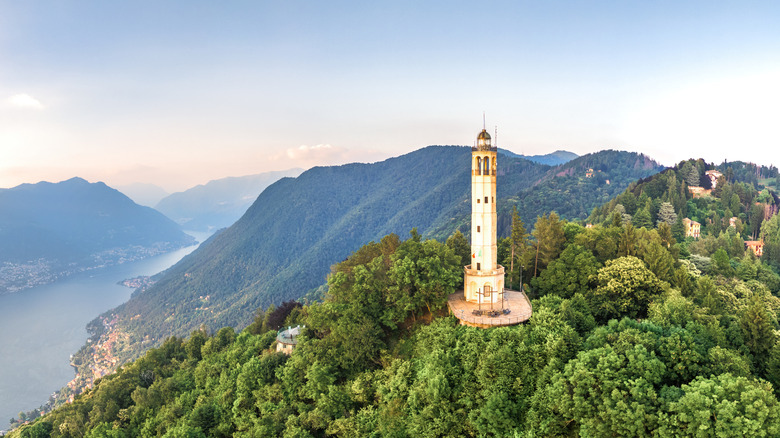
180,92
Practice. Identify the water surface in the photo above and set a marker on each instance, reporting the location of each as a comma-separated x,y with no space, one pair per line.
41,327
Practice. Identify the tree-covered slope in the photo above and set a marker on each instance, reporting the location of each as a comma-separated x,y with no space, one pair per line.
51,229
644,347
298,227
573,189
218,203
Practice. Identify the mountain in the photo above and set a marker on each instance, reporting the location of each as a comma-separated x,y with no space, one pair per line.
286,242
143,193
218,203
48,230
552,159
574,189
297,228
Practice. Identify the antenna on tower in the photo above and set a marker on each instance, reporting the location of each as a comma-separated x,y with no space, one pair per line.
483,120
495,136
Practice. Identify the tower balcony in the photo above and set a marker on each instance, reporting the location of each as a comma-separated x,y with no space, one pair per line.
483,272
483,148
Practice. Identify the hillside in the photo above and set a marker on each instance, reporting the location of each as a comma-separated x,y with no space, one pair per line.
298,227
552,159
284,245
630,343
573,189
48,230
218,203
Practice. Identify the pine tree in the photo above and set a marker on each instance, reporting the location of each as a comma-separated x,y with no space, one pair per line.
666,214
518,246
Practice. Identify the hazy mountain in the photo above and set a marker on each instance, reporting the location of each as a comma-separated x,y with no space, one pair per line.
143,193
552,159
218,203
48,230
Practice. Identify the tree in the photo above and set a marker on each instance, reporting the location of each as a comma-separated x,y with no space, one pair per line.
666,214
628,241
550,238
722,263
569,274
518,247
690,174
642,219
625,288
461,247
758,328
723,405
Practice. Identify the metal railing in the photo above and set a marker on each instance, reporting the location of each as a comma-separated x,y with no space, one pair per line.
497,320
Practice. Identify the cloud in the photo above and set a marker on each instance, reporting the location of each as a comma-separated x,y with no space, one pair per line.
24,101
321,153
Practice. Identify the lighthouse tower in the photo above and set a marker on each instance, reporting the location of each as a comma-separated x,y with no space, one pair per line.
484,278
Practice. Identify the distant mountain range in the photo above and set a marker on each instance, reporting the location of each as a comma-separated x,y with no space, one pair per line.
218,203
143,193
297,228
552,159
48,230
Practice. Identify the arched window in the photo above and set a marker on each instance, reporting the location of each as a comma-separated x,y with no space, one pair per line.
479,165
487,166
486,291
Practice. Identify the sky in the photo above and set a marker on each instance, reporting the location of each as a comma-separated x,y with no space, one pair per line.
177,93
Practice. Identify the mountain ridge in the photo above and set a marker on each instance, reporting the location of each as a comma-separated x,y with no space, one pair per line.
48,230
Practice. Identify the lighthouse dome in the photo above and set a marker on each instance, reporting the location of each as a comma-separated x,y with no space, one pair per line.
483,141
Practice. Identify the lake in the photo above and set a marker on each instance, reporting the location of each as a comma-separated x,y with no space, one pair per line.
41,327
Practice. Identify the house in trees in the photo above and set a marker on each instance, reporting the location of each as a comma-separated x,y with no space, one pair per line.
692,228
713,175
733,222
484,302
698,192
757,246
287,339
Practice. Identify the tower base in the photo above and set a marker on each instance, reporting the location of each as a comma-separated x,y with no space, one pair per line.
483,286
515,308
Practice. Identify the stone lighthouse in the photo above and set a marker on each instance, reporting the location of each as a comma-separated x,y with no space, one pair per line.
484,278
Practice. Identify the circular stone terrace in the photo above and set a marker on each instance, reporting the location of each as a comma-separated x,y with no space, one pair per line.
516,309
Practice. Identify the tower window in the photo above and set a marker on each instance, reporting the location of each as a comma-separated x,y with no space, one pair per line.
479,165
478,267
487,166
486,199
477,228
477,201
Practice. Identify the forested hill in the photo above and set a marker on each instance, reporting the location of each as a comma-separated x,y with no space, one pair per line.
573,189
51,229
552,159
298,227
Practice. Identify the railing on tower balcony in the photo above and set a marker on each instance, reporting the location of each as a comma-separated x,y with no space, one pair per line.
491,149
479,173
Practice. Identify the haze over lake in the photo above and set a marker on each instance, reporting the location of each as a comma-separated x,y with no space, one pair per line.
41,327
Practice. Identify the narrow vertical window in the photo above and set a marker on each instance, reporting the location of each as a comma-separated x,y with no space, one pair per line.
478,266
486,199
479,165
477,228
487,166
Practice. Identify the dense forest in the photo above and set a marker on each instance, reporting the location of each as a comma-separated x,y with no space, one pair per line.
637,331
